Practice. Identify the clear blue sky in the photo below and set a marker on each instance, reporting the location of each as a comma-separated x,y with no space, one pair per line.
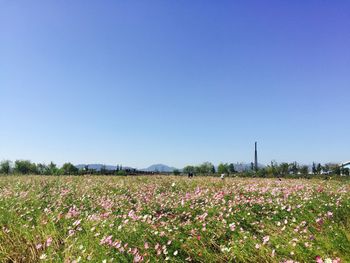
174,82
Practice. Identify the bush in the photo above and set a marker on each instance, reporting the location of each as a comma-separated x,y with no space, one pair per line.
176,172
121,173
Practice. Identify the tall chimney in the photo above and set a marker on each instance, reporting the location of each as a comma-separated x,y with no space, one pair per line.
256,158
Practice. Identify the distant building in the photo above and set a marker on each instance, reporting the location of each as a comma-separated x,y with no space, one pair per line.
345,164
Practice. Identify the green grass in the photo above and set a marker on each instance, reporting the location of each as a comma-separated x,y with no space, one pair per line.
173,218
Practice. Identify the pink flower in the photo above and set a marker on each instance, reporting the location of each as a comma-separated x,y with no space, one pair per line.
329,214
38,246
319,259
106,240
73,212
266,239
202,217
71,232
76,223
146,245
49,241
319,221
132,215
257,246
138,258
116,244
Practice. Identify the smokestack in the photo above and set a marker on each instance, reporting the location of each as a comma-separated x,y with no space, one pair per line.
256,158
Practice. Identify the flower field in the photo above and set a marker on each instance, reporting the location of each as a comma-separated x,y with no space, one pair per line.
175,219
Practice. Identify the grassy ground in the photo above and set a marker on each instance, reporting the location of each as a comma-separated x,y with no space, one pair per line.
153,219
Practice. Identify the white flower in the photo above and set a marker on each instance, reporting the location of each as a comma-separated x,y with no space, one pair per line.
175,253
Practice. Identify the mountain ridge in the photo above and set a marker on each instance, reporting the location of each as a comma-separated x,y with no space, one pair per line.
159,168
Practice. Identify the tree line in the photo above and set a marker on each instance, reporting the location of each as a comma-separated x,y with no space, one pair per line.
274,169
294,168
25,167
208,168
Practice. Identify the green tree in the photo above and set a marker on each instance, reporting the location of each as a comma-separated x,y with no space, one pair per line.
206,168
5,167
326,168
197,170
262,172
223,168
273,169
189,169
284,168
318,168
42,169
294,167
103,169
314,170
304,170
52,168
231,168
213,171
252,166
121,173
335,169
69,169
25,167
176,172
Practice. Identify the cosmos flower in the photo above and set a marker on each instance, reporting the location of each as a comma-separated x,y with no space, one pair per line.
319,259
49,241
329,214
266,239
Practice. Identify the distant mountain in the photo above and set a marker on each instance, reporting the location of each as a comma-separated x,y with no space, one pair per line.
98,167
159,168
